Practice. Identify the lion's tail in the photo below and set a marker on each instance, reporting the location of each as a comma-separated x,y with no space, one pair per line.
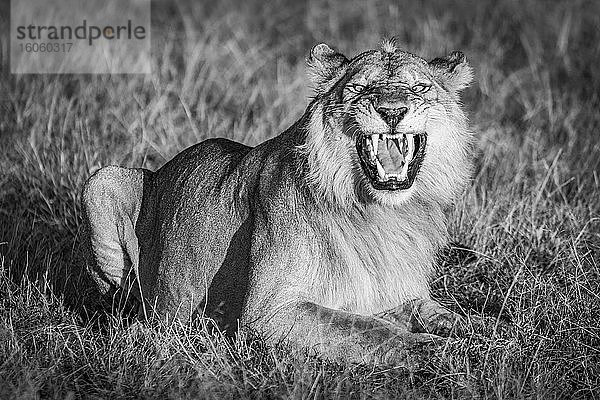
111,200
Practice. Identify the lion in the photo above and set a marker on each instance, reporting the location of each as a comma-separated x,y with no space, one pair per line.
323,237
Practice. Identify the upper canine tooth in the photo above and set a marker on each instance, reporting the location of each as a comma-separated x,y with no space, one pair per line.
410,142
375,142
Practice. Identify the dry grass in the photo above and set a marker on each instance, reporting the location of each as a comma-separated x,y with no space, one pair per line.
532,214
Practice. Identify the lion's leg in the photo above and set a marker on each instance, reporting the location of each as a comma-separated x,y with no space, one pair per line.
343,336
425,316
111,201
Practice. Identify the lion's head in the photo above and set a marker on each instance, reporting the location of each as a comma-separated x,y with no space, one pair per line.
387,125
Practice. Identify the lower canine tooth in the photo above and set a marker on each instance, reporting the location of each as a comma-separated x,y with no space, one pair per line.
372,155
404,172
380,171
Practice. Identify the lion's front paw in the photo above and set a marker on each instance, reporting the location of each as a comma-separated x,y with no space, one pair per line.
424,316
430,317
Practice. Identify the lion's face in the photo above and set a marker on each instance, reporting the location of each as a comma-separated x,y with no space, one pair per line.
397,120
388,99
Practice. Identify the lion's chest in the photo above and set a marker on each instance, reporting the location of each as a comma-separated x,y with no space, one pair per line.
371,267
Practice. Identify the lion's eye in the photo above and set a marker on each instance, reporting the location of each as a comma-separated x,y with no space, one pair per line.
420,88
356,87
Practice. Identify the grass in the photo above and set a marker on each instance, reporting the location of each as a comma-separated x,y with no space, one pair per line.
531,215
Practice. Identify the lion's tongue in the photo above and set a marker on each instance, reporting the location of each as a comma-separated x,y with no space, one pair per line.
391,157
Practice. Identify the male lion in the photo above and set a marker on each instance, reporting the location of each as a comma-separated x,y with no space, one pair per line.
324,236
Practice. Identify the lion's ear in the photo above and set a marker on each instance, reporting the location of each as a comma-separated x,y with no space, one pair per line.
324,66
453,71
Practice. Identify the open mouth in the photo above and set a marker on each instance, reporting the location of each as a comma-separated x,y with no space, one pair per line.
391,162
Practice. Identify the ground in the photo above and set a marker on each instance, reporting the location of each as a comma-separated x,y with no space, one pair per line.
531,216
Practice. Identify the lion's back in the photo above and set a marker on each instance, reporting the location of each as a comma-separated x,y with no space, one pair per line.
197,221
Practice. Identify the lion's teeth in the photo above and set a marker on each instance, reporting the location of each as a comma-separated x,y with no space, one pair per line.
375,142
380,171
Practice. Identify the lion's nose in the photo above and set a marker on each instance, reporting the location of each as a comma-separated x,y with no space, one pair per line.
392,115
